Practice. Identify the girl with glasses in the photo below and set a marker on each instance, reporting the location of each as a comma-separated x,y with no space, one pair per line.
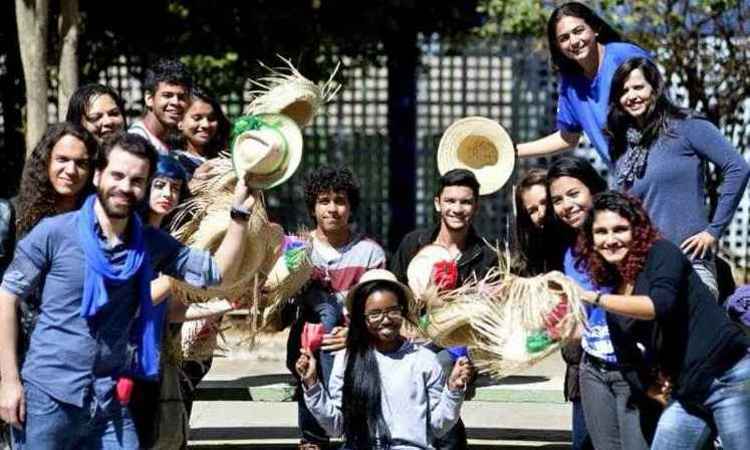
384,392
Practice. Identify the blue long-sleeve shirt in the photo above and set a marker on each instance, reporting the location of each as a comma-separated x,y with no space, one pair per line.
673,189
69,356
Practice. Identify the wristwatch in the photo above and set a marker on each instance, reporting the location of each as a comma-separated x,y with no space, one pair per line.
239,214
598,298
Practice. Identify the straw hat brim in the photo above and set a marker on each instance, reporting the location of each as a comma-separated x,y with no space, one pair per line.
482,146
294,142
419,271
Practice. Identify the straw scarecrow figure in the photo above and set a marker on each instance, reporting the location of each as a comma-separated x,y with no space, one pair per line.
266,150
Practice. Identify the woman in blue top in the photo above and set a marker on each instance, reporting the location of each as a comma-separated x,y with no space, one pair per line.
660,152
613,421
586,51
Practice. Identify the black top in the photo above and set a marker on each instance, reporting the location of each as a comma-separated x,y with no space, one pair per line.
476,259
692,339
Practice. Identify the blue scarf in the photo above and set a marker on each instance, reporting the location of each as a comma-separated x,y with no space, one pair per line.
99,274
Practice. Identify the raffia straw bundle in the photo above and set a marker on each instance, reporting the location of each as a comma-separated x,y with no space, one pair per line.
289,274
202,223
496,316
517,310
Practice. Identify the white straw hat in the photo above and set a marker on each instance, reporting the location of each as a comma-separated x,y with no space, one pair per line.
266,149
482,146
379,275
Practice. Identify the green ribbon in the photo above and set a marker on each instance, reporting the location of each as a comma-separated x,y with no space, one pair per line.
424,322
293,258
537,342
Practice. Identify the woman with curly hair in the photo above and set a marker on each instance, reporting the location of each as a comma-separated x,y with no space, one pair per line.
385,392
98,109
676,343
57,175
56,179
661,152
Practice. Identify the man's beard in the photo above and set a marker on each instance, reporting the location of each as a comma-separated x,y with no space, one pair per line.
114,212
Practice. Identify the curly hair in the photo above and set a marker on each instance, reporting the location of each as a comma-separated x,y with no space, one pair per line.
325,179
644,234
37,197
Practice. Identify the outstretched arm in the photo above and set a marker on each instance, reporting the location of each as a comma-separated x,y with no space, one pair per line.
229,253
557,142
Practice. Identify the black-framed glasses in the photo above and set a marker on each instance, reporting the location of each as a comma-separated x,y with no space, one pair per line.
377,315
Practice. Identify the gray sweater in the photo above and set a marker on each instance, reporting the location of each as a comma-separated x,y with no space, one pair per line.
416,404
673,187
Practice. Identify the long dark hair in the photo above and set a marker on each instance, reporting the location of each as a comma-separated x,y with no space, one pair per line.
37,197
657,116
644,235
605,33
538,252
361,393
220,140
581,170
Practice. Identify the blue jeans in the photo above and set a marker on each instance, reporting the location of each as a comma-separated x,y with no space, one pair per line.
53,425
684,426
579,432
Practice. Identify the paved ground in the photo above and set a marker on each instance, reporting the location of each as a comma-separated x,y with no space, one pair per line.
245,403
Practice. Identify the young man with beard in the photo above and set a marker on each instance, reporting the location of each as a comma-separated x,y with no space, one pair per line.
95,266
340,256
167,93
457,203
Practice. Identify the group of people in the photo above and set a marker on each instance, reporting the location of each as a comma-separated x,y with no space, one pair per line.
85,297
659,364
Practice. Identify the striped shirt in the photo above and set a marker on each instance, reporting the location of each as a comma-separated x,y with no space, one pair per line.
339,269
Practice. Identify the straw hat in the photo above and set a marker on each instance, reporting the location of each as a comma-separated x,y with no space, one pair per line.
450,325
482,146
266,149
286,91
378,275
420,270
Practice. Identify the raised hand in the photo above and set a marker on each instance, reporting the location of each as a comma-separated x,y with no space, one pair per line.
462,373
306,368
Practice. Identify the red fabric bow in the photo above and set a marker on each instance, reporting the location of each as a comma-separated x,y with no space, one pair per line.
312,336
445,274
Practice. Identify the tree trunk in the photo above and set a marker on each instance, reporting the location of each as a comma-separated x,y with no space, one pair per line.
32,18
70,19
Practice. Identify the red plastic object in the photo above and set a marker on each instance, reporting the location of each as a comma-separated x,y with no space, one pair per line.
552,321
445,274
124,390
312,336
